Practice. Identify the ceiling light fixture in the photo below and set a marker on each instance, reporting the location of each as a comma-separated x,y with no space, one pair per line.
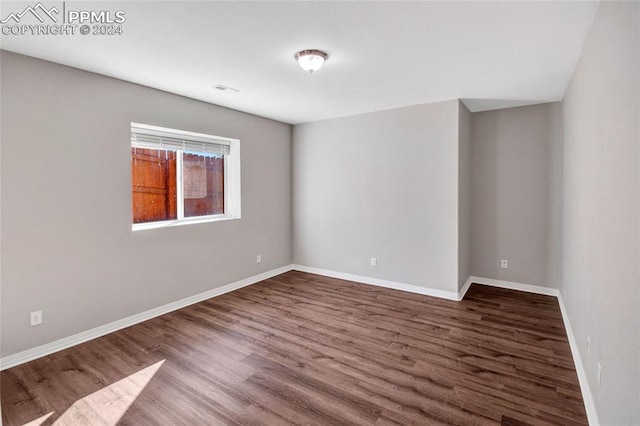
311,60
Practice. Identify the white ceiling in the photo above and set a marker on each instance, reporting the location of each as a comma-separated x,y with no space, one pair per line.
381,54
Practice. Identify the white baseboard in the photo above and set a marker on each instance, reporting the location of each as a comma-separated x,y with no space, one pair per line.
515,286
67,342
411,288
465,288
587,396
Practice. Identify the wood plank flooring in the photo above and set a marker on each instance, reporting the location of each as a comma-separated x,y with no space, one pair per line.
305,349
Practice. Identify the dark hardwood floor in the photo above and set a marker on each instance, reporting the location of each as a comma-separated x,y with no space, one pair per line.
305,349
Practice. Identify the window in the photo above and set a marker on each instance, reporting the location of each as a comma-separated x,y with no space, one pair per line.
180,177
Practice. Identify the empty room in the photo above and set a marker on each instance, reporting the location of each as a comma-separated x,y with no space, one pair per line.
320,213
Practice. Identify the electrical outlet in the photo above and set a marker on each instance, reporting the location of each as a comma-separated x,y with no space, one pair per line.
36,318
588,346
374,261
599,372
504,264
259,258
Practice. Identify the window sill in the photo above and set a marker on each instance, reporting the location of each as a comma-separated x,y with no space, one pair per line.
171,223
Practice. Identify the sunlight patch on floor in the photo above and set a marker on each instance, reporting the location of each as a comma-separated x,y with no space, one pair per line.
106,406
40,420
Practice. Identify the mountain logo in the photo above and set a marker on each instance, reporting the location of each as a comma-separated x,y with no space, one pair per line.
38,11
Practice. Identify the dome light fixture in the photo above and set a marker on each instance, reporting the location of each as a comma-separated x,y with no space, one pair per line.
311,60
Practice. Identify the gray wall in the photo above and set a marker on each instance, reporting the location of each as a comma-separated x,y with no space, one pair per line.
68,248
601,246
464,195
380,185
512,173
554,243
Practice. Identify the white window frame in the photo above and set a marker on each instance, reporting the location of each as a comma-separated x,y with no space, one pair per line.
232,187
